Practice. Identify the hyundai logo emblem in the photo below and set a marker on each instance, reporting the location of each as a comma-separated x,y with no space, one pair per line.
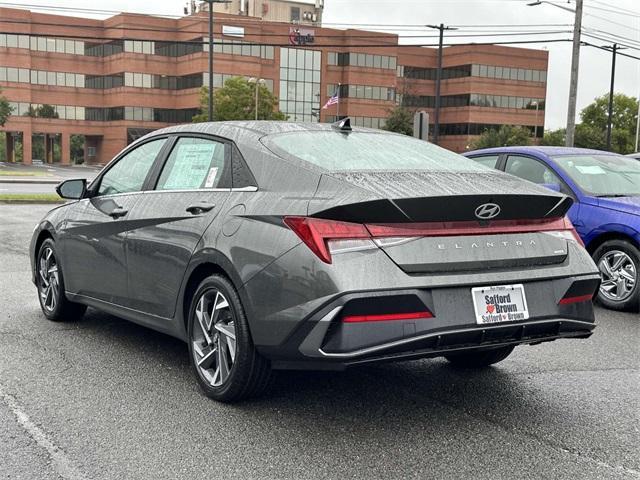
487,211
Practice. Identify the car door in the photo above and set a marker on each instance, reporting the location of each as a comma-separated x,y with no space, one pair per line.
536,171
191,188
93,237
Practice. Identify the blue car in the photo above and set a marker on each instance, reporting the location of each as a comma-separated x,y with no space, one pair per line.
605,188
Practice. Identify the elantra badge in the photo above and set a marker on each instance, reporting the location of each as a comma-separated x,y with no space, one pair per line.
487,211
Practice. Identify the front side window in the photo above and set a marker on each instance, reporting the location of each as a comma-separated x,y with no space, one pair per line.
532,170
195,163
603,175
129,174
335,151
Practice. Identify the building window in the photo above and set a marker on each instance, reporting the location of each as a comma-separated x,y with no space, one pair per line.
300,84
361,60
372,92
295,14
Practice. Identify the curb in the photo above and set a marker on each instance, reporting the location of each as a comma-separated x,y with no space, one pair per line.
30,181
31,202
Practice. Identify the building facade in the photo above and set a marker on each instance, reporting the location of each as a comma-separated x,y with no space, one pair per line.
289,11
110,81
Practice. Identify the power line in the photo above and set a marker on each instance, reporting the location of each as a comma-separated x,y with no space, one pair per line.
626,14
288,45
614,36
608,49
470,33
617,9
609,40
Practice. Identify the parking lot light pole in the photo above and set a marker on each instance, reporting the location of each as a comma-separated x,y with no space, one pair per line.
210,100
535,127
258,82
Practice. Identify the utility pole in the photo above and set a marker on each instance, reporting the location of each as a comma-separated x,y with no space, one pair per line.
614,51
436,125
573,85
575,64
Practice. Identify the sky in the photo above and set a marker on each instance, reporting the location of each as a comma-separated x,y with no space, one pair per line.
604,18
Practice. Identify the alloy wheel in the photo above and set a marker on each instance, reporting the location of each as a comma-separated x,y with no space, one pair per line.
214,337
619,275
49,284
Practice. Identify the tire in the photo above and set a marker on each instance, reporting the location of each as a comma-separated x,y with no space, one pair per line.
50,283
481,358
619,289
227,369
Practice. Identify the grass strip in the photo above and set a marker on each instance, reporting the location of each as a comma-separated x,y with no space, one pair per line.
30,198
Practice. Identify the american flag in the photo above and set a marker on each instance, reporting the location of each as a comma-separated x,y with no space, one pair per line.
332,101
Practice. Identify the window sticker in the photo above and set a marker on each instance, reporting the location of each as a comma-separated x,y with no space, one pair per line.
591,169
191,166
211,178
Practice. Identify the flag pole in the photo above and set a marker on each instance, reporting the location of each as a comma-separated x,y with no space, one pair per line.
338,103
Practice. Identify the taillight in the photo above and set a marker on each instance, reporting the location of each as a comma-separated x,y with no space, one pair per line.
325,237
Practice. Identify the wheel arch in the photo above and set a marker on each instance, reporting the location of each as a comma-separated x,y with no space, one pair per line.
203,265
44,234
605,236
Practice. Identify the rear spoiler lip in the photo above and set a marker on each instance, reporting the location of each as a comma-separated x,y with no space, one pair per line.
450,208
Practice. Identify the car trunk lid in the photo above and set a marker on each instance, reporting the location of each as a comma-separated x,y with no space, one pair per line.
430,222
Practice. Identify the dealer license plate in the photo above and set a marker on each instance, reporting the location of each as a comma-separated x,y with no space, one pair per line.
505,303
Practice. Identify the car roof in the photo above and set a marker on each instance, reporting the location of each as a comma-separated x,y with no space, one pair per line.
544,150
239,130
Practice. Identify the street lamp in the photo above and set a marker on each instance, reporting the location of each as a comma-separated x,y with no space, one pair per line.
210,102
575,63
535,127
258,82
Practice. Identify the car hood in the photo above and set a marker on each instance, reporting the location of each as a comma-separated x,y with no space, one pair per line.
629,205
419,196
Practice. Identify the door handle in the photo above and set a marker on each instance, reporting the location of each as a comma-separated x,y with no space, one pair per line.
118,212
199,208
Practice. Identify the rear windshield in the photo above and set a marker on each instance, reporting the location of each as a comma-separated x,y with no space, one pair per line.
603,175
337,151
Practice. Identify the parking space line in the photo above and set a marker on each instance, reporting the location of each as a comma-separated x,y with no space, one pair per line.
59,460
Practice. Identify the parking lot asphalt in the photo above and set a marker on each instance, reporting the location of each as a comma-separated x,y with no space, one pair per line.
106,399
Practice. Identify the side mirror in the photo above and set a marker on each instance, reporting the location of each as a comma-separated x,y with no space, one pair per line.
551,186
73,189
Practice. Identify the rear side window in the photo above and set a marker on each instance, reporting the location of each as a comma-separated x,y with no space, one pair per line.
337,151
195,163
487,160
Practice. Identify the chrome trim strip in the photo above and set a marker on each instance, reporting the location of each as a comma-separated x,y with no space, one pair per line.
311,345
405,341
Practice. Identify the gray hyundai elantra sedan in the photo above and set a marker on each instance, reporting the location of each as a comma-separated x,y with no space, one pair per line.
268,245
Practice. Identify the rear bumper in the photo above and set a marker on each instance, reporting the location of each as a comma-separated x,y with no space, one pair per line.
324,341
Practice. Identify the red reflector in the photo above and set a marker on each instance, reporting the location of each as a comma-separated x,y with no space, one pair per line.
581,298
387,317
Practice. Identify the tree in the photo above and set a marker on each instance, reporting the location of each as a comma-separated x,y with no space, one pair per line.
400,120
554,138
5,110
505,136
594,123
42,111
236,101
